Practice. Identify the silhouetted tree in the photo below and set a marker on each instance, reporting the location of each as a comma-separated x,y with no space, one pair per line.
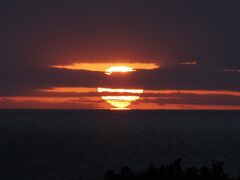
170,172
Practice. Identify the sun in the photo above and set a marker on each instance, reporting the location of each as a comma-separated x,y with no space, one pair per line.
119,98
122,69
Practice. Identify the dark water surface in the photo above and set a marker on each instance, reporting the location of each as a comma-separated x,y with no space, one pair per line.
83,144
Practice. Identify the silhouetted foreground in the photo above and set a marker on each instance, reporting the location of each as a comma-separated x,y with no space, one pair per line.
171,171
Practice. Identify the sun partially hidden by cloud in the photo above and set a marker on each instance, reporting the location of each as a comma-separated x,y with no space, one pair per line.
102,67
120,101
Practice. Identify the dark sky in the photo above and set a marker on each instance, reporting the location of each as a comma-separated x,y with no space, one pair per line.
37,34
50,32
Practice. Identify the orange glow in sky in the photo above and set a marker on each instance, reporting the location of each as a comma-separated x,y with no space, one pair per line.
121,98
76,103
167,91
102,67
69,90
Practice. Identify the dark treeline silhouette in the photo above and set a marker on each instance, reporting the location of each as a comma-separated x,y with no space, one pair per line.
171,172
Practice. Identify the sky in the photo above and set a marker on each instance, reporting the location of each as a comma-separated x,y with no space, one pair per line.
186,54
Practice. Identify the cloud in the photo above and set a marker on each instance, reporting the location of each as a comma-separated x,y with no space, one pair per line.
180,77
194,99
46,102
28,81
15,82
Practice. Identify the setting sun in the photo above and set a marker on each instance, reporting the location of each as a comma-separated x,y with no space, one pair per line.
121,98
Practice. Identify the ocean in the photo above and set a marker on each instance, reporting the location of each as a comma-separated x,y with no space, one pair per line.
83,144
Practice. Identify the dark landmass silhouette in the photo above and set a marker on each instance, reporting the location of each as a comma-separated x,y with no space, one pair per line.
171,171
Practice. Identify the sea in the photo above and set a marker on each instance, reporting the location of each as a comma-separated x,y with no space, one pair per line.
83,144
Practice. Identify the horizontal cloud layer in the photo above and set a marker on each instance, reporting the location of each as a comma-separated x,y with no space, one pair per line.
181,77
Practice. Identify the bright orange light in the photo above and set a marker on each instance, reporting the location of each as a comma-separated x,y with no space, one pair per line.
120,102
137,91
69,90
101,67
121,69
